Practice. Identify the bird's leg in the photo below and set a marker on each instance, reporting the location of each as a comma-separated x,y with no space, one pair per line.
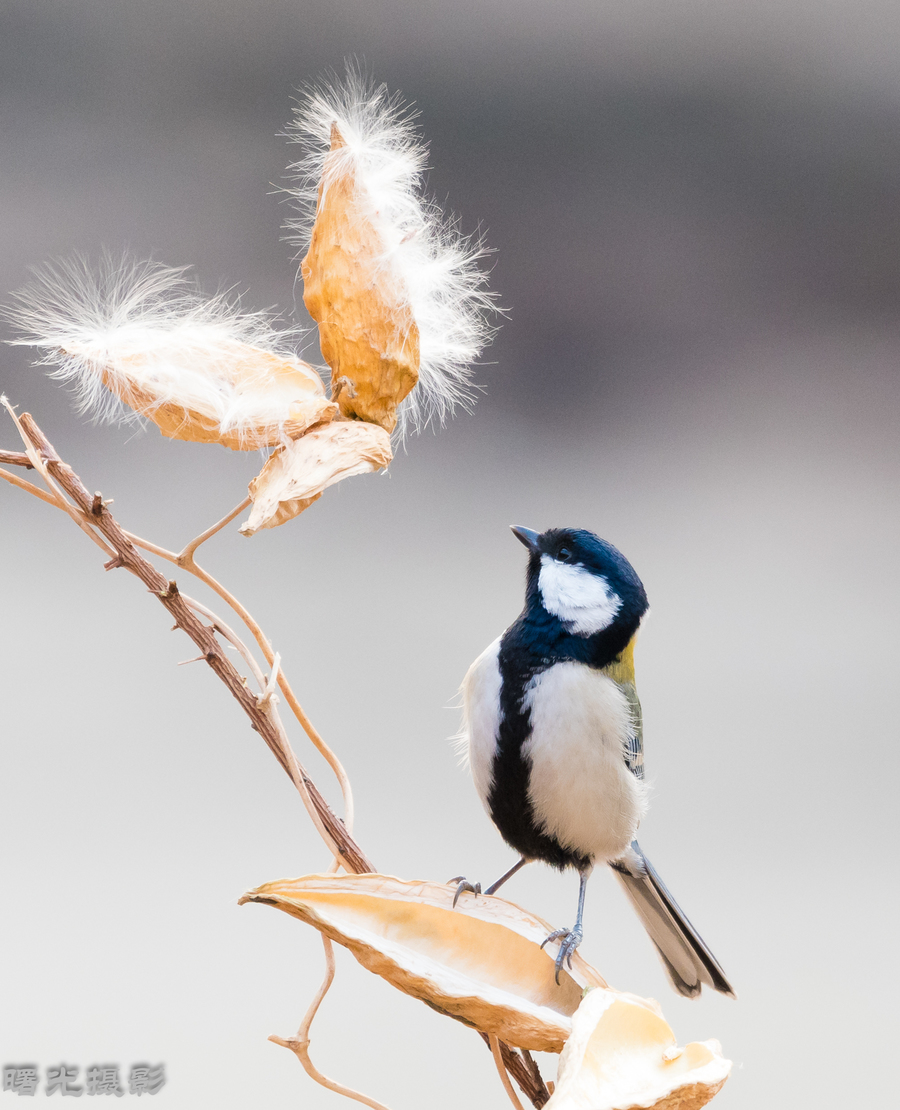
463,883
569,939
494,887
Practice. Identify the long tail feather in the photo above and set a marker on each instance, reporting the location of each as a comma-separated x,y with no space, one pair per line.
684,954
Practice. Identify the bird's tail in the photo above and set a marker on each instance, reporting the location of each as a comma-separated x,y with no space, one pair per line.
685,957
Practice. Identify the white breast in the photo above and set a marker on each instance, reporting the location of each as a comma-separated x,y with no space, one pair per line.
581,790
481,717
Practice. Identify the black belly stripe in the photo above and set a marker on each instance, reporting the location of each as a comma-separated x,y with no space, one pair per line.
510,807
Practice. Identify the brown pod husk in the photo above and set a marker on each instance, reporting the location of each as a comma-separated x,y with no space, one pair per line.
367,330
481,963
622,1055
228,392
296,476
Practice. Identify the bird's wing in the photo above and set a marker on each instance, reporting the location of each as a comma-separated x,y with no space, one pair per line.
621,671
634,750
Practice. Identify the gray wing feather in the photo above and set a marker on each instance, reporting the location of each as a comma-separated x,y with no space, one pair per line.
634,749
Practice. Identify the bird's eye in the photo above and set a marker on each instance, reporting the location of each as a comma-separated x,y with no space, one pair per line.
564,555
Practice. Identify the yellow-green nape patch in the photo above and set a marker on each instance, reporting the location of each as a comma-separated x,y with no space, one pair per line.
621,669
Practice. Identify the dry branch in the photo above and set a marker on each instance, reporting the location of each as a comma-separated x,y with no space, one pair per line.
127,556
522,1066
16,458
502,1072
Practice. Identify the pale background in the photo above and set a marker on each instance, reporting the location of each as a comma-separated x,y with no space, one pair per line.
696,212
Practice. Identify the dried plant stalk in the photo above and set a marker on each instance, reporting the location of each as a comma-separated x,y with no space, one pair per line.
29,487
126,555
16,458
186,560
299,1043
522,1066
501,1070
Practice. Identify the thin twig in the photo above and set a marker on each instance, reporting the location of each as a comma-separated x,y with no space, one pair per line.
523,1068
501,1071
266,648
265,703
31,488
269,689
16,458
222,628
301,1051
186,555
39,464
186,561
299,1043
302,1033
46,458
542,1090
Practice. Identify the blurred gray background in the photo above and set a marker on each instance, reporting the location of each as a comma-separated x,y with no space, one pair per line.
696,214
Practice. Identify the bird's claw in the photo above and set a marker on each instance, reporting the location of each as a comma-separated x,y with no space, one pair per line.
569,939
463,885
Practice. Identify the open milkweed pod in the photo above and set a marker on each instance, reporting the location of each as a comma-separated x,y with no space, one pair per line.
395,289
140,335
366,327
622,1055
296,476
481,963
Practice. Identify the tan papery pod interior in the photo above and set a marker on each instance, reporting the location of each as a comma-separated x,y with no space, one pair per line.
622,1055
481,963
258,378
367,331
295,477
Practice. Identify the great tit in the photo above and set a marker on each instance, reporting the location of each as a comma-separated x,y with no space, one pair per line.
553,726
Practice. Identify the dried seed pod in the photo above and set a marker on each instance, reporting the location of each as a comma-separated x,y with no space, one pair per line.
141,334
481,963
362,218
367,330
296,476
266,398
621,1055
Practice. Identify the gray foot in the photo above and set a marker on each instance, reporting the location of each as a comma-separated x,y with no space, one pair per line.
569,939
462,885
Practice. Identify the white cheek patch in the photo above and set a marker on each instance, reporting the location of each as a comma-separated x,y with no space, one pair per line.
583,601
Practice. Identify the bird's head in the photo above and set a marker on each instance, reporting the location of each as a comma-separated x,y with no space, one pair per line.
584,582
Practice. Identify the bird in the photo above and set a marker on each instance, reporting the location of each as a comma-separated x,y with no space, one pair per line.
553,730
